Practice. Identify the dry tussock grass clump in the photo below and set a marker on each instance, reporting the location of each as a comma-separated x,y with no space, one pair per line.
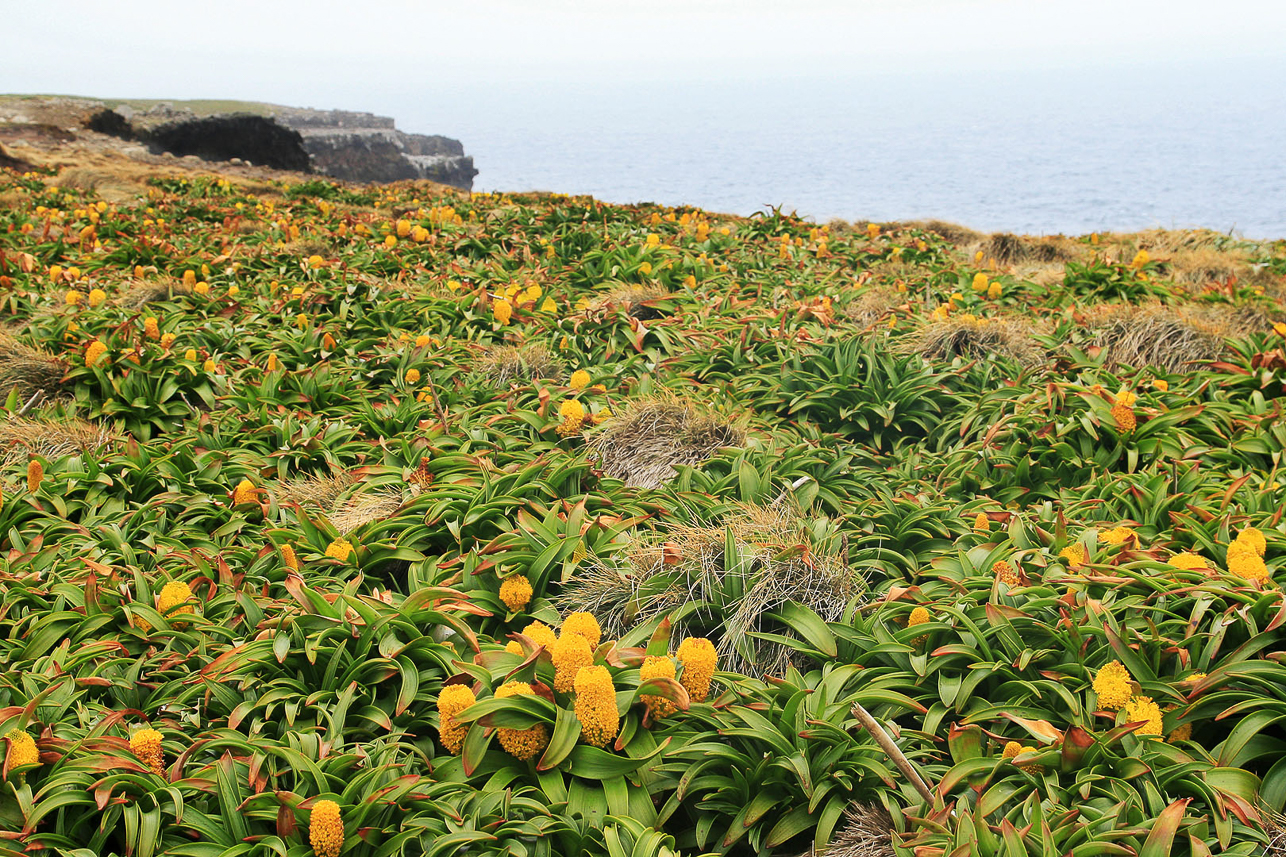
1172,338
867,832
777,561
952,233
1008,249
50,437
303,248
321,491
1275,829
973,338
874,305
140,293
636,299
645,443
28,369
526,362
1202,265
364,507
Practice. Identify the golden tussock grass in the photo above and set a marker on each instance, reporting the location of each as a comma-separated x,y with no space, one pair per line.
867,831
321,491
1171,338
648,439
874,305
29,369
50,437
526,362
364,507
777,561
635,299
140,293
975,338
952,233
1007,249
326,492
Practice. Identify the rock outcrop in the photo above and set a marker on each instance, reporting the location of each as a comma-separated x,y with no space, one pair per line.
363,147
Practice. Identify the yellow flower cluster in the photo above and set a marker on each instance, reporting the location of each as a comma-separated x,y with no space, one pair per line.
982,524
243,493
1074,554
1112,684
658,666
585,625
573,414
1246,555
35,475
22,749
699,660
151,327
340,549
521,743
1143,708
1188,561
1005,571
570,654
326,829
175,598
1117,536
1013,749
595,706
453,699
516,592
94,353
146,744
412,376
289,557
580,380
503,311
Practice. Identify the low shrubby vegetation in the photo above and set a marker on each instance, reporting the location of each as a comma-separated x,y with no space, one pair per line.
399,521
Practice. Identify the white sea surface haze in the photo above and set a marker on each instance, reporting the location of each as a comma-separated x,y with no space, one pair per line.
1054,151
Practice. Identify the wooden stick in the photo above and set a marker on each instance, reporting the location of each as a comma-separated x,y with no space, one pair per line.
31,403
895,753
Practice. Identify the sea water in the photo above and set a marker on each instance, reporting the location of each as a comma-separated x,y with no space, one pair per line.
1069,151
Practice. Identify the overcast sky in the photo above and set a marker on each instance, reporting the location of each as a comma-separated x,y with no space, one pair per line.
356,54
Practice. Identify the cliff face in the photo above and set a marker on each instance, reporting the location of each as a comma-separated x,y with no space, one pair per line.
362,147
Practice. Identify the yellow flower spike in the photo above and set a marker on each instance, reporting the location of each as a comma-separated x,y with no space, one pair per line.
146,745
151,328
35,475
513,647
96,297
918,616
549,306
690,282
658,666
1123,416
55,271
1245,563
412,376
339,549
73,298
326,829
1141,258
699,660
22,749
453,699
873,230
1112,684
516,592
595,706
202,288
571,653
189,278
403,228
982,524
422,340
1118,536
503,311
521,743
995,290
1254,538
210,366
580,380
243,493
167,339
1279,328
645,268
584,624
273,363
390,241
1143,708
190,354
289,557
980,282
1005,571
573,414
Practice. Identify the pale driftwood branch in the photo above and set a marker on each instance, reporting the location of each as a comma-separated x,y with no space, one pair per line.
895,753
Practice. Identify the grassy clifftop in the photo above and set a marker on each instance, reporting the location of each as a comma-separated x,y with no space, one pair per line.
394,520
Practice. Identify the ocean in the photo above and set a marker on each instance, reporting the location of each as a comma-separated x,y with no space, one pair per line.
1047,152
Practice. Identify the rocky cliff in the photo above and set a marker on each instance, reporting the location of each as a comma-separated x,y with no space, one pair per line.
363,147
358,147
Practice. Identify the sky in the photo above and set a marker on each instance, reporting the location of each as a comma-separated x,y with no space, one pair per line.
361,55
